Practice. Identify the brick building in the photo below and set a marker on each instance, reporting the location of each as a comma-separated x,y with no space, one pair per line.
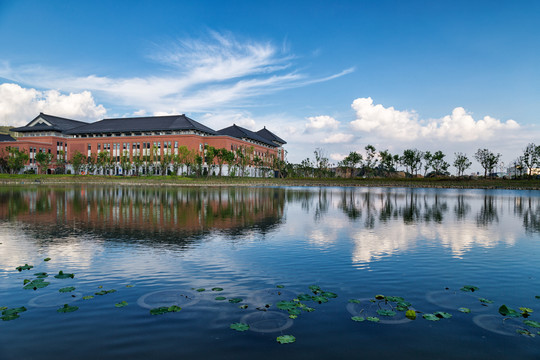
146,138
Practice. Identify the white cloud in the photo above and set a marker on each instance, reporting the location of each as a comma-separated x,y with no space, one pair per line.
390,123
338,138
322,122
19,105
337,157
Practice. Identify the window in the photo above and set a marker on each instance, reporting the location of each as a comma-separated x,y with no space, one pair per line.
89,147
176,144
99,147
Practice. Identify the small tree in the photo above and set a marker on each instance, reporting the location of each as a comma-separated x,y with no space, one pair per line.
428,158
167,159
125,163
530,157
91,163
210,153
412,160
439,165
461,163
137,164
487,160
77,161
44,159
371,160
387,161
16,160
321,162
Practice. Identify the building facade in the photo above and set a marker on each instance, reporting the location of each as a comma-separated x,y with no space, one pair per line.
151,140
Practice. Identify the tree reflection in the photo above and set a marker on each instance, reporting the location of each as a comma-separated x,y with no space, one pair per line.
488,212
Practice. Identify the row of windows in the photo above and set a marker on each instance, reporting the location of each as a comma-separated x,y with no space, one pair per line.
136,145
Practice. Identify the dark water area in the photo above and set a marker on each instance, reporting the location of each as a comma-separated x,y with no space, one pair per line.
158,246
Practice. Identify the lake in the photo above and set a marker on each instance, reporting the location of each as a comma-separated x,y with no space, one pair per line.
272,261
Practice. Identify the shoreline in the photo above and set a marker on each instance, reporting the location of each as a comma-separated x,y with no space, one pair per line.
173,181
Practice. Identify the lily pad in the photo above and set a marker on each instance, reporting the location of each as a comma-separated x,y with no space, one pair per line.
442,315
314,288
534,324
217,289
235,300
285,339
36,284
239,326
66,309
329,295
105,292
286,305
61,275
525,332
410,314
67,289
357,318
373,319
13,311
24,267
431,317
293,316
304,297
200,289
165,309
464,310
384,312
219,298
320,299
394,298
280,286
526,310
121,304
506,311
9,317
88,297
41,275
485,301
354,301
47,259
244,306
469,288
379,297
130,286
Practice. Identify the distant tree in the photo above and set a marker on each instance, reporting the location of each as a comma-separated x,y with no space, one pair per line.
487,160
387,163
77,161
43,159
412,160
137,164
321,162
428,158
530,157
371,160
102,159
199,165
61,162
210,153
439,165
91,163
16,160
221,154
461,163
229,158
125,163
166,162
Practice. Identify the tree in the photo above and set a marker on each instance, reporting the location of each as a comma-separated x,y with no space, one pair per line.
166,162
439,165
61,162
137,164
428,157
387,163
210,153
321,162
461,163
230,160
221,154
487,160
16,160
412,160
199,163
77,161
91,163
371,160
530,157
353,160
44,159
102,160
125,163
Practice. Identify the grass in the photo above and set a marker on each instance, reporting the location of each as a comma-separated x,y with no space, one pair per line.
236,181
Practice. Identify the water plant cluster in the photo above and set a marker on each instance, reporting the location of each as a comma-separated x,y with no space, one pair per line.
378,309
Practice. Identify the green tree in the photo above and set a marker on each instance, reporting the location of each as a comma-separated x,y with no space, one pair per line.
210,153
137,164
102,161
125,163
487,160
387,162
43,159
461,163
91,162
412,160
530,157
439,165
16,160
321,162
77,161
428,159
61,162
167,159
371,160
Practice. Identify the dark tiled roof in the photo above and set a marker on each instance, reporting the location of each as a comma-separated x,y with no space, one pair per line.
58,124
267,134
4,137
142,124
243,133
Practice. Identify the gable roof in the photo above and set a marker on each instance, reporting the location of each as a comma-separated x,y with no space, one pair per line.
243,133
141,124
267,134
44,122
5,137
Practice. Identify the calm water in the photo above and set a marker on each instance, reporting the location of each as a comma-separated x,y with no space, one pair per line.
420,244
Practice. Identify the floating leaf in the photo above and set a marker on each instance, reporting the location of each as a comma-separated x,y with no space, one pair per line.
469,288
394,298
294,311
47,259
485,301
379,297
464,310
164,309
357,318
354,301
537,297
506,311
26,281
239,326
10,317
217,289
66,309
244,306
88,297
526,310
319,299
201,290
24,267
525,332
431,317
130,286
373,319
61,275
304,297
383,312
235,300
41,275
410,314
280,286
12,311
329,295
442,315
286,305
36,284
121,304
285,339
67,289
293,316
308,309
220,298
105,292
534,324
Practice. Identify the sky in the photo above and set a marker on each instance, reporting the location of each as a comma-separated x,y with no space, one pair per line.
454,76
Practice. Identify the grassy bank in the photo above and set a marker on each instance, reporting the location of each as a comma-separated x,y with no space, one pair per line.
227,181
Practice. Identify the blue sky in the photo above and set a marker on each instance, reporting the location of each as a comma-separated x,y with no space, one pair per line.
337,75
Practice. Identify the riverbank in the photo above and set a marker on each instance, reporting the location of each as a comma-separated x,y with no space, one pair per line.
227,181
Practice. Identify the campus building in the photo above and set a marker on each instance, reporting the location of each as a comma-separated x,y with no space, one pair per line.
147,138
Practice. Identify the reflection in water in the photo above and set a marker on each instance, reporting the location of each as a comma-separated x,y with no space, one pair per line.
384,221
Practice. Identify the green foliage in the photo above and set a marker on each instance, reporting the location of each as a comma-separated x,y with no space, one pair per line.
285,339
384,312
506,311
357,318
410,314
24,267
235,300
219,298
67,309
105,292
469,288
165,309
431,317
61,275
464,310
36,284
373,319
121,304
67,289
239,326
217,289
